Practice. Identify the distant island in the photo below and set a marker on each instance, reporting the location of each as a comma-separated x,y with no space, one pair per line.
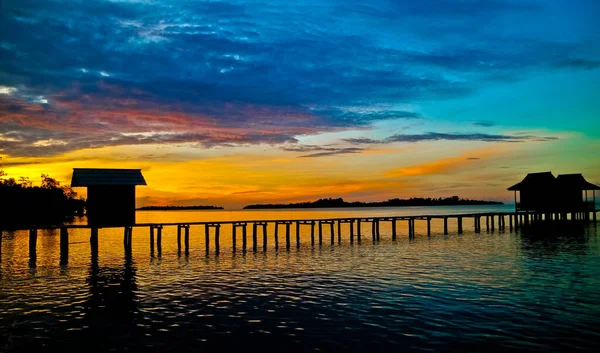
178,208
339,202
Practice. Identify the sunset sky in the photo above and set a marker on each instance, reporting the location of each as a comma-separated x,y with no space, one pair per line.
235,102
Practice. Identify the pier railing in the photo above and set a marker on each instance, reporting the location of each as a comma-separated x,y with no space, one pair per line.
318,228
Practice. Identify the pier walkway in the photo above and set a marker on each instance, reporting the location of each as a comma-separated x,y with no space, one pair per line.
318,228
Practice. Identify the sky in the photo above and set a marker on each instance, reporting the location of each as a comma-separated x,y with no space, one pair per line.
236,102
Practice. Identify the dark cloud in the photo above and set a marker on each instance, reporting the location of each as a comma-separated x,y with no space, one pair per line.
321,151
266,72
484,124
437,136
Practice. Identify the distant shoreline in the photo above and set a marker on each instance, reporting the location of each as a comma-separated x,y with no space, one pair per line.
178,208
412,202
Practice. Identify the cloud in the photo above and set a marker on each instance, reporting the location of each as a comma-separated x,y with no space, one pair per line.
275,71
321,151
484,124
438,136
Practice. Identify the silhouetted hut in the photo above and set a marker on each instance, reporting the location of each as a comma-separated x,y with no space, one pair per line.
111,194
536,192
572,193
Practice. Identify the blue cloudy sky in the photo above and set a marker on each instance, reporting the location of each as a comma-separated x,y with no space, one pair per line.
510,84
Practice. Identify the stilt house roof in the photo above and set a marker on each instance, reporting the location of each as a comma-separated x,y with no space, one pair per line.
535,181
575,181
107,177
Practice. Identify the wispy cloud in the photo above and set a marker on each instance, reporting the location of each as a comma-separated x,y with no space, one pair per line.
438,136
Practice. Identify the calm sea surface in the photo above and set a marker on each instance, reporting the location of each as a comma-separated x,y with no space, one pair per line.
532,290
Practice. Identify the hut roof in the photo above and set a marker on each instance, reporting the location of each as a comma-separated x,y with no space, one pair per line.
112,177
575,181
535,181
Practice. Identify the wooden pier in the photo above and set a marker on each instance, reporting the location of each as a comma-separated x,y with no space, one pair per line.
325,227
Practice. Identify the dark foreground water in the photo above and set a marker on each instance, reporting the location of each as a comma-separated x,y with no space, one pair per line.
537,290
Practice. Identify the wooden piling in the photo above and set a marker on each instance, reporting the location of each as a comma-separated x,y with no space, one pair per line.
297,235
179,238
127,235
64,245
207,237
159,239
312,233
378,233
186,240
233,235
460,225
445,225
217,236
32,246
352,232
264,227
393,228
339,231
320,233
276,235
331,227
254,237
487,223
373,230
510,222
287,235
358,230
152,240
428,226
94,244
410,228
475,224
244,237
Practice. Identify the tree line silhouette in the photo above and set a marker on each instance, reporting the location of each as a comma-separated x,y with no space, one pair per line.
413,201
23,204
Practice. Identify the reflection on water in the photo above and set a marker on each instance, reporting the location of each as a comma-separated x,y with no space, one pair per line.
535,290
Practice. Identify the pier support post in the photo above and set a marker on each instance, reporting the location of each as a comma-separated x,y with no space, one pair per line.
358,230
487,223
186,240
287,235
411,230
393,228
374,230
233,236
276,235
331,227
94,244
244,237
475,224
264,227
594,216
352,232
378,233
32,246
339,232
217,236
159,240
312,233
64,245
207,237
179,238
510,222
151,240
428,226
460,225
320,233
127,235
254,237
445,225
297,235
